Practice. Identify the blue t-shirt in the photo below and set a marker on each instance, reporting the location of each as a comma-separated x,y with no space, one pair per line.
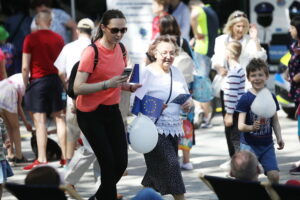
264,135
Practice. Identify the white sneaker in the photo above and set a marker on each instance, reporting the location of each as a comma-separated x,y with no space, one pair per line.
225,165
186,166
206,125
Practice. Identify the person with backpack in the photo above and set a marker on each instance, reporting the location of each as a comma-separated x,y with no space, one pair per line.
98,88
65,61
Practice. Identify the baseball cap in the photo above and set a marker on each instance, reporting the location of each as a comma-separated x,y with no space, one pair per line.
3,33
86,23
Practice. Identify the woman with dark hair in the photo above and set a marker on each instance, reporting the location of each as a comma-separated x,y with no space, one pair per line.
169,26
294,75
98,91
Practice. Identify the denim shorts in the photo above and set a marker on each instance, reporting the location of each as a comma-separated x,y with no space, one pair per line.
44,95
265,155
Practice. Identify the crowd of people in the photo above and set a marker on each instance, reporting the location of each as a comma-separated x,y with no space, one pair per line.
36,61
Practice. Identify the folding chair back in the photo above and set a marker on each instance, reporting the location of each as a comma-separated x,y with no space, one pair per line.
35,192
287,192
229,189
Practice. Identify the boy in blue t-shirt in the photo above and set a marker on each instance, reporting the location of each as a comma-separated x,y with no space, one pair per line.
256,135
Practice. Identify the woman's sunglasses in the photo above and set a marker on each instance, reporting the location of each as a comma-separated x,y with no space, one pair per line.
239,15
117,30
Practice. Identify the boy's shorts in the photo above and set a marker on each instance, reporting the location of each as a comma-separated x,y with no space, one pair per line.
265,155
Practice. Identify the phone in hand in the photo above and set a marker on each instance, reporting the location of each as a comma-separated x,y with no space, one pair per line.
127,72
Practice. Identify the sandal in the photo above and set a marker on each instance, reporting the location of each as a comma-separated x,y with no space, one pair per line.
21,160
13,159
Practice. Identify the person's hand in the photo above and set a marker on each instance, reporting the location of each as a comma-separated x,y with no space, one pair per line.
134,87
73,108
200,36
253,32
7,144
296,50
280,143
297,78
223,71
186,106
116,81
256,125
28,127
228,120
164,106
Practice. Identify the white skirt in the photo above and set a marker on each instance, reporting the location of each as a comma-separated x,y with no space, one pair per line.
8,96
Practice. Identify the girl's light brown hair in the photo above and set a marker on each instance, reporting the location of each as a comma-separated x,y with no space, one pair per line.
234,49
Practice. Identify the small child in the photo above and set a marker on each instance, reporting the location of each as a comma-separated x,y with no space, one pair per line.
234,88
256,136
5,170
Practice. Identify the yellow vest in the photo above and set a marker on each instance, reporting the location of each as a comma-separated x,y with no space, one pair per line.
201,46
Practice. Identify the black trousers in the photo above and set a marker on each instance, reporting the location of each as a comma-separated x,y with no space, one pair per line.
104,130
232,133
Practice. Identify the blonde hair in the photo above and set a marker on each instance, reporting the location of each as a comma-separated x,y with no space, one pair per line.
234,49
236,17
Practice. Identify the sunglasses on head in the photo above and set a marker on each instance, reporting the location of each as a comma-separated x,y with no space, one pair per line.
239,15
117,30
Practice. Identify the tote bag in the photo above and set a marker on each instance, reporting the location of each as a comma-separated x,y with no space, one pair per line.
202,87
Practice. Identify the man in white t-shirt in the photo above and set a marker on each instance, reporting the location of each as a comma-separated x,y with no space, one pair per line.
69,55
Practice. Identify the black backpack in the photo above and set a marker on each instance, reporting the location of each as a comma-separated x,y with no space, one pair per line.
72,77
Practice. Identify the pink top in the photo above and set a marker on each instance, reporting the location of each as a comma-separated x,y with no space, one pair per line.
17,81
2,57
110,63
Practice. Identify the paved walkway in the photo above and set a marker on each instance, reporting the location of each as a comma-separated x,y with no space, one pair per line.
209,152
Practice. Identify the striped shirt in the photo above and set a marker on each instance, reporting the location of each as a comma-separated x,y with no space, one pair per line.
234,88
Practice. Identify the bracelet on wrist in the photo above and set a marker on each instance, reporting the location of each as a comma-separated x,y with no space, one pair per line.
104,85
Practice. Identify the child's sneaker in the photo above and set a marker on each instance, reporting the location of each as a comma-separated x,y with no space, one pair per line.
34,164
295,171
187,166
206,125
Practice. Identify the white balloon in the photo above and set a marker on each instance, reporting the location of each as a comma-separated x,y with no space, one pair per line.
143,134
264,104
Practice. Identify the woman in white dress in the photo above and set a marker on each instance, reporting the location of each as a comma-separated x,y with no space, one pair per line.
163,81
